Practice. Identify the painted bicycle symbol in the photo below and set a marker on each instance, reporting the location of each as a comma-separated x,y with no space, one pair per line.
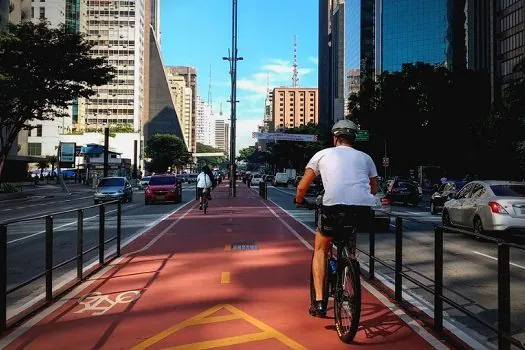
99,303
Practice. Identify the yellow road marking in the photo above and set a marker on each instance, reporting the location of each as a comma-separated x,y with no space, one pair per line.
206,317
225,277
228,247
210,344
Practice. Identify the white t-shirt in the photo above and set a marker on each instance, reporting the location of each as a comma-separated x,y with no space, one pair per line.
203,180
346,174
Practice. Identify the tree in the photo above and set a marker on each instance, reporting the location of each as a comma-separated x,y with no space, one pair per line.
42,165
246,153
166,151
41,71
210,161
52,160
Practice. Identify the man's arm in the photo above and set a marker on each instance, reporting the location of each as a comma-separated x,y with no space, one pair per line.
308,177
373,185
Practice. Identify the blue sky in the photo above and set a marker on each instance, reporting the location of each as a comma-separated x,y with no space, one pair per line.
198,33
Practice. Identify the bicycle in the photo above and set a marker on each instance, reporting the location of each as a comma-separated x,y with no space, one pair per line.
341,272
205,200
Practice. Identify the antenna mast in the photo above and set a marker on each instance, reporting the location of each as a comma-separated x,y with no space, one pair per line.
295,77
220,112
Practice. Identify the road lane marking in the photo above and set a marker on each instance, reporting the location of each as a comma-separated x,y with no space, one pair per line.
297,235
225,277
422,332
206,317
494,258
22,329
68,224
228,247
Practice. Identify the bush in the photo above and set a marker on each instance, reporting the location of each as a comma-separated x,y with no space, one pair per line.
7,188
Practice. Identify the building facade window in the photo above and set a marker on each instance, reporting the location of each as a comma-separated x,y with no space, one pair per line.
34,149
39,130
42,13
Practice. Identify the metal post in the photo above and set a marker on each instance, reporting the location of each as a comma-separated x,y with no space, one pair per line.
101,233
372,248
438,279
399,260
134,159
385,157
119,226
80,244
3,278
503,296
106,151
49,258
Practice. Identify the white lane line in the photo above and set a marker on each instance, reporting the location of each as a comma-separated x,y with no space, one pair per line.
65,225
493,258
412,324
19,331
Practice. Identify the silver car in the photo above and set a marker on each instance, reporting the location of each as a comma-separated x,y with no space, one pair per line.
487,206
143,183
113,188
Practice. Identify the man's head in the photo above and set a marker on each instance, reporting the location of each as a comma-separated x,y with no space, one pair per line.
344,132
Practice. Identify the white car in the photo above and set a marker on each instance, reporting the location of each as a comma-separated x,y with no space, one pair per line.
482,206
281,179
256,180
382,211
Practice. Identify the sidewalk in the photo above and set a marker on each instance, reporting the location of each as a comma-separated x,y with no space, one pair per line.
236,278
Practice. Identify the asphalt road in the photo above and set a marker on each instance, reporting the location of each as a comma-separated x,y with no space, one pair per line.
26,240
470,266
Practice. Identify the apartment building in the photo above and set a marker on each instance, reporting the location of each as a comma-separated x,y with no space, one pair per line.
205,123
292,107
222,135
182,100
116,29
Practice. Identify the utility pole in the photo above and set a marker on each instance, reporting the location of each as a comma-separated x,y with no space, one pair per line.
232,58
134,159
106,151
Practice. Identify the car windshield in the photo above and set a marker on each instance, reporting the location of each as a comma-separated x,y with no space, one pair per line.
508,190
111,182
162,180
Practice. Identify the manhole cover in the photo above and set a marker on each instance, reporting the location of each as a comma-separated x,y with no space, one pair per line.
244,246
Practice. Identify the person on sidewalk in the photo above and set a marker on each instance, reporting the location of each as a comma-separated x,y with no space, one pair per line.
203,182
349,179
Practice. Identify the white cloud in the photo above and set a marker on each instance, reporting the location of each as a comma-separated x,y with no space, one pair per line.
314,60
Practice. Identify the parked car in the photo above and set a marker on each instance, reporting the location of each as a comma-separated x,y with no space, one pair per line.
444,193
281,179
163,188
487,206
113,188
404,191
192,178
143,183
269,178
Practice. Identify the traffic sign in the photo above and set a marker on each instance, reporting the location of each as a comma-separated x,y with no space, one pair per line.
386,162
362,135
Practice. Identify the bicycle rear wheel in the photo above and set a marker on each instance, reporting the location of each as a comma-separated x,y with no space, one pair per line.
325,285
347,303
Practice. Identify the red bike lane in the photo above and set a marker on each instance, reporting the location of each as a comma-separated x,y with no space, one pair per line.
235,278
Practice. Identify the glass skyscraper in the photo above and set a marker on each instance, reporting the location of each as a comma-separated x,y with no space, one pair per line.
429,31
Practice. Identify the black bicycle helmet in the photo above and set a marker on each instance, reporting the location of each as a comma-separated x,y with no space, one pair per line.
346,128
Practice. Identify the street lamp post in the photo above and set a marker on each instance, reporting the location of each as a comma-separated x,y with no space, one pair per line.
232,58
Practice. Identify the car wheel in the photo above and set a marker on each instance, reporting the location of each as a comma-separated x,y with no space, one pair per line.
432,208
478,227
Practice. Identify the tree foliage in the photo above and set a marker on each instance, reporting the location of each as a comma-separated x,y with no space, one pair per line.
428,115
210,161
166,151
41,71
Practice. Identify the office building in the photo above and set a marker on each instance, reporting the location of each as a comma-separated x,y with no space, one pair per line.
222,135
205,123
429,31
293,107
182,98
190,77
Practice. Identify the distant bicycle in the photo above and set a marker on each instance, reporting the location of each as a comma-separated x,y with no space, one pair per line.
205,200
342,281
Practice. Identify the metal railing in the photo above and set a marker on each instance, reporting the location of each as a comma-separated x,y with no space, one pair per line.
49,267
503,329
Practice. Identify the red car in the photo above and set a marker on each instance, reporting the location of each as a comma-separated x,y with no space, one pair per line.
163,188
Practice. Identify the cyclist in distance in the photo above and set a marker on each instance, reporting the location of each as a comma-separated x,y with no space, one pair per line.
203,181
350,182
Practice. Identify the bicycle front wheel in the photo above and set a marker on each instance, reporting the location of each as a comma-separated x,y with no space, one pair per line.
347,303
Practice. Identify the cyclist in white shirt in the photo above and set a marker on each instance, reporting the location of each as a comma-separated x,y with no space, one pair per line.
350,181
203,181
